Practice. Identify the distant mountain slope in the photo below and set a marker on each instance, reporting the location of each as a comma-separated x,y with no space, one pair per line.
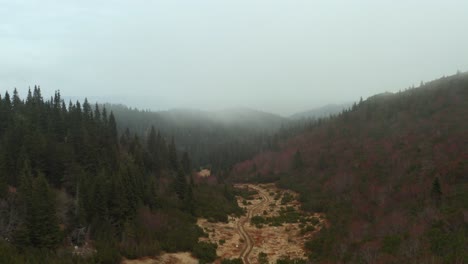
216,138
391,174
239,117
324,111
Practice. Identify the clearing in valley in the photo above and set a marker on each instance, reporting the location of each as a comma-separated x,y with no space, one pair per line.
273,226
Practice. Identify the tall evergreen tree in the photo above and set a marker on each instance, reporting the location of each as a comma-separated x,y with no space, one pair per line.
186,164
112,128
173,161
43,225
97,113
181,184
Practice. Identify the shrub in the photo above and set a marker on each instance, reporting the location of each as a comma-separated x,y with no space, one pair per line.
205,252
232,261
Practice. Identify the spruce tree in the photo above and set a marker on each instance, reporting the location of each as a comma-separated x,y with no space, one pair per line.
185,162
181,184
25,190
43,228
173,161
112,128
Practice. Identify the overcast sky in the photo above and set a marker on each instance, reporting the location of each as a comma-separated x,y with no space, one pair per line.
279,56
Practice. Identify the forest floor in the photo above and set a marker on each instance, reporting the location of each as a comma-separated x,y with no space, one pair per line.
239,238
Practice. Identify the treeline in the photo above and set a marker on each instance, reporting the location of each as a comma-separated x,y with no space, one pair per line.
389,173
214,140
67,177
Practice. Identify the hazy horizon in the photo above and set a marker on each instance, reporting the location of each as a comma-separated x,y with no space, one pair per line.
274,56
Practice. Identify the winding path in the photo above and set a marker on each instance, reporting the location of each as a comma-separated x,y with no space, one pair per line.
248,246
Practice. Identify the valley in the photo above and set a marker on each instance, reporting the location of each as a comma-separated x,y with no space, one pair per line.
272,228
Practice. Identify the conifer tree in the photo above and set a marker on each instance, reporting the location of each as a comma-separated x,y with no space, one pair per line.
25,190
87,112
173,161
298,163
181,184
97,113
43,226
16,103
185,162
112,128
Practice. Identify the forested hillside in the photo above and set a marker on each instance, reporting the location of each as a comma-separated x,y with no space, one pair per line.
390,174
321,112
216,139
68,178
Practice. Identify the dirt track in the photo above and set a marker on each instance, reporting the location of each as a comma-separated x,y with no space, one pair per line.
248,246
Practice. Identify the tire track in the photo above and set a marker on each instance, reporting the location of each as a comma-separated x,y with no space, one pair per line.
247,249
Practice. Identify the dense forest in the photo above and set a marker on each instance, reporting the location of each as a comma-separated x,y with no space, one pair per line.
68,178
215,139
390,174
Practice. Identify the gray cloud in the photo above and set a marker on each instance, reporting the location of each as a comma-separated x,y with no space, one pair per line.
279,56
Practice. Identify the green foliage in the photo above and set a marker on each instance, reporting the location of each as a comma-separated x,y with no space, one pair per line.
210,141
10,254
107,253
287,198
286,215
205,252
258,221
215,202
39,227
119,189
262,258
247,194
